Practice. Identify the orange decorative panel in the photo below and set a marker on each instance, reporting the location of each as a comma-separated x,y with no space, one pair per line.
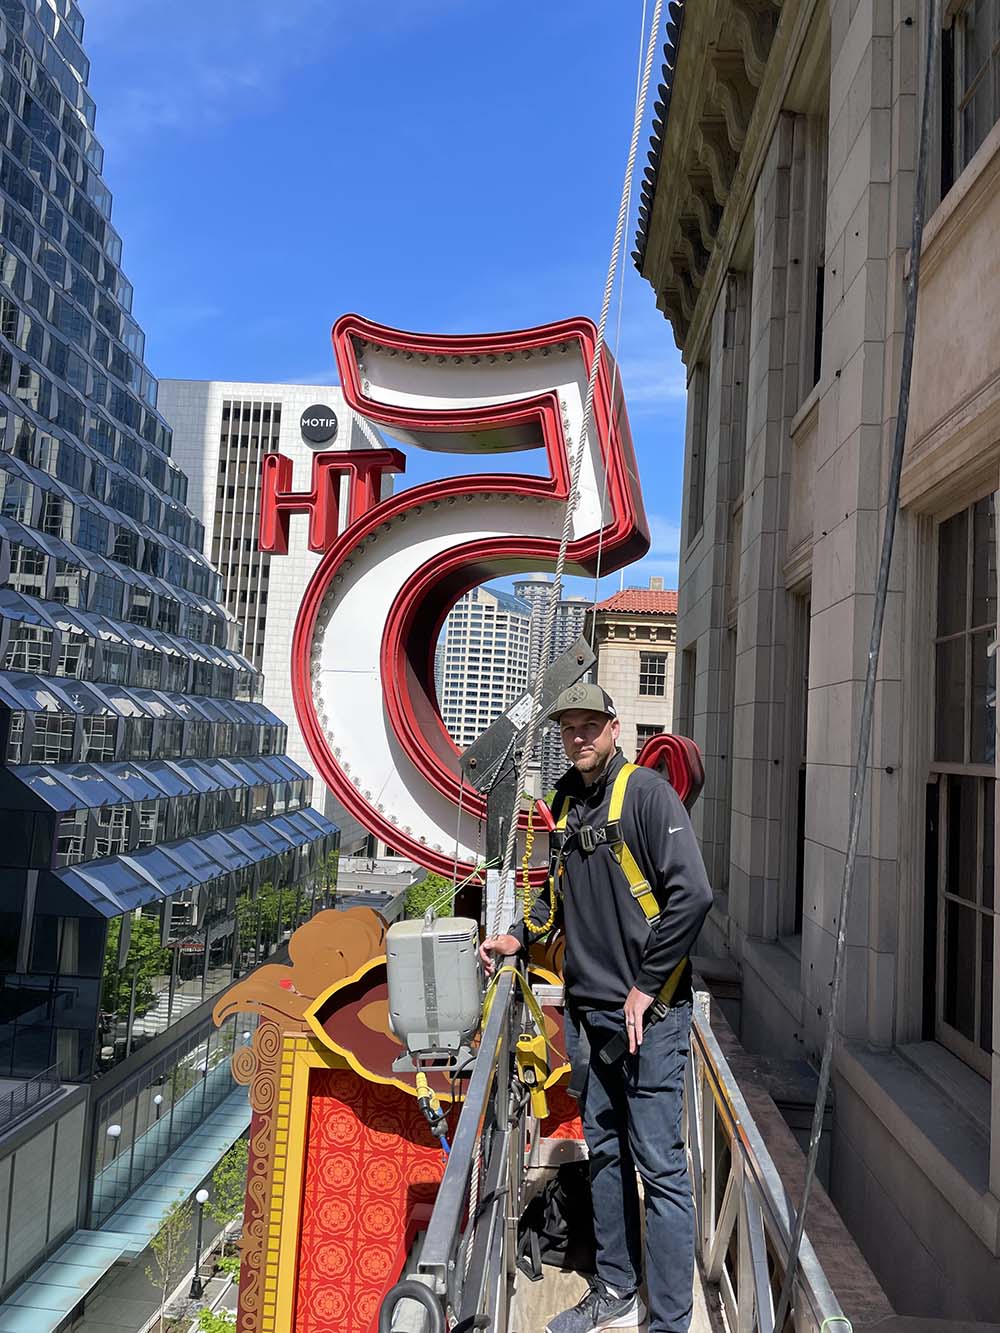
371,1172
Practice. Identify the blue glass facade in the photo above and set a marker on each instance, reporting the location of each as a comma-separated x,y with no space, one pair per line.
154,839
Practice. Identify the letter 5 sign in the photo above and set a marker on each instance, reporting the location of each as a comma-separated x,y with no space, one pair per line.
364,643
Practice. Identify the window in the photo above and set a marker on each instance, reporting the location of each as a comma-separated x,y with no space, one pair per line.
53,740
28,569
961,825
92,532
76,657
169,744
113,825
698,435
152,821
147,668
57,516
653,674
15,497
644,732
974,49
99,735
108,594
140,611
72,838
115,659
70,584
138,738
29,648
15,738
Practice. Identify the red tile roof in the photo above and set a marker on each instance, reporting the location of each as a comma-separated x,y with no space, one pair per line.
641,601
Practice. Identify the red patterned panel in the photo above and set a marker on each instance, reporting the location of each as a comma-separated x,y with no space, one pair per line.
371,1169
563,1120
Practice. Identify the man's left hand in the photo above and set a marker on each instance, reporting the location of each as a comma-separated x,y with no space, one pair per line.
636,1005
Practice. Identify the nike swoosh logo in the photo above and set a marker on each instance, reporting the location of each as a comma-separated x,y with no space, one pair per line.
675,830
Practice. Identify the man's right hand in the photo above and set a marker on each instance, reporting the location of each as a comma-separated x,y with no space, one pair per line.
505,945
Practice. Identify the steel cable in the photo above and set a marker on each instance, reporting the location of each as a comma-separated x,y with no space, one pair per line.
531,727
878,621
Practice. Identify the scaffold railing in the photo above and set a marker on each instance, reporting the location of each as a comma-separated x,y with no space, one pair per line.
463,1276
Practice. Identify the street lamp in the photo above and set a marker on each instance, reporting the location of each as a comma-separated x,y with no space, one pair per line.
201,1198
114,1134
246,1036
158,1102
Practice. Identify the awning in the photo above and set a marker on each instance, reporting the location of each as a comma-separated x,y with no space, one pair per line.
225,850
37,694
16,607
42,781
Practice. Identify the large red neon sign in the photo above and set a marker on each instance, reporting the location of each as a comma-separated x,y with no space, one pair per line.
364,643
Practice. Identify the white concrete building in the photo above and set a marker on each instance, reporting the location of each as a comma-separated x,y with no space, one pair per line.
570,616
482,661
222,430
775,229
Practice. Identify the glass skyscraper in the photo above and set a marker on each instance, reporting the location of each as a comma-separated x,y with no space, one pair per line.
146,804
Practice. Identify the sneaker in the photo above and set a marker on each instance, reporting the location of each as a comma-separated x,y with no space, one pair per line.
599,1309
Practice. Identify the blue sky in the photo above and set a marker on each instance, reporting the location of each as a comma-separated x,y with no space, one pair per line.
443,165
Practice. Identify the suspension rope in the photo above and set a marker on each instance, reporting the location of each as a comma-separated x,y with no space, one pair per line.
615,375
878,620
528,735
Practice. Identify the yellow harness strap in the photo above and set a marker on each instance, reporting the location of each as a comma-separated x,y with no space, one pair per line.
637,883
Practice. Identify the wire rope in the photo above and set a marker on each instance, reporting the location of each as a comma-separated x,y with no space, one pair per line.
860,778
577,461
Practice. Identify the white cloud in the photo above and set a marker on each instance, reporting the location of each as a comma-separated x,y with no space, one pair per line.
192,65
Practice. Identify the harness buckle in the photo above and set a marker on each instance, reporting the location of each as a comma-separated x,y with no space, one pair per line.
587,838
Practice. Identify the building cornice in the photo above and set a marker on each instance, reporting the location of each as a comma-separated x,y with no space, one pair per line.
723,87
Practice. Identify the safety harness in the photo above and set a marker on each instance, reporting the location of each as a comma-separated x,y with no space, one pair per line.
588,839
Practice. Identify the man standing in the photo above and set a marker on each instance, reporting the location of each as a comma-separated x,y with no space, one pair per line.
631,894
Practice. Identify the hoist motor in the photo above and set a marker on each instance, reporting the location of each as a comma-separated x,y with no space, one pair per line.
435,990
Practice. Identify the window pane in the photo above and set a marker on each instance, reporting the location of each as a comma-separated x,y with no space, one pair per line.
652,673
963,821
949,686
953,557
960,968
987,926
982,722
984,564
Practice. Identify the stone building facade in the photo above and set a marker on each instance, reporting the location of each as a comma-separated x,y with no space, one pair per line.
774,228
635,640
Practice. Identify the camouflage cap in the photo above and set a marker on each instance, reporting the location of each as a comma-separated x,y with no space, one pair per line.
591,698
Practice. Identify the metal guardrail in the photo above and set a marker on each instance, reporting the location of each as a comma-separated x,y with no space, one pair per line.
743,1218
466,1260
28,1095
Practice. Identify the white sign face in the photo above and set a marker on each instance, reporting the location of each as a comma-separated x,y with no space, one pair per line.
363,660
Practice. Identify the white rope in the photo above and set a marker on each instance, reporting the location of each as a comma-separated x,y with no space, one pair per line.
618,342
577,466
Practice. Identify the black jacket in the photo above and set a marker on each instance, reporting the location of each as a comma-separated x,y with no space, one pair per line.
610,946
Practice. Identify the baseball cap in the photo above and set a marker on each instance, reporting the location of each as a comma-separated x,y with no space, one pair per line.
581,695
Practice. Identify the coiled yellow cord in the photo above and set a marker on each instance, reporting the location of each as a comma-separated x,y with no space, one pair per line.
527,904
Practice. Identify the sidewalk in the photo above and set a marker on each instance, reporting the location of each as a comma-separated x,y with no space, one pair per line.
126,1300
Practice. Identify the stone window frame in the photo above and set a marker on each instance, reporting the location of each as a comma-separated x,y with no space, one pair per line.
966,84
653,673
949,777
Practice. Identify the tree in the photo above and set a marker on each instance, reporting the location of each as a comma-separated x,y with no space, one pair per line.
229,1184
147,959
432,890
170,1248
216,1321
